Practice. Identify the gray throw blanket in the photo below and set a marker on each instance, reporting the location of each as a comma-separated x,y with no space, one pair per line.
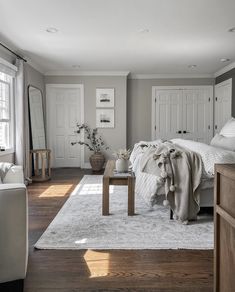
180,172
4,167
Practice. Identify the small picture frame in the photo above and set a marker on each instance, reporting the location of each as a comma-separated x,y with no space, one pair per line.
105,97
105,118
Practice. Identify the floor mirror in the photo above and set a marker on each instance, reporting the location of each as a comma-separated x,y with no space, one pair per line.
39,154
36,118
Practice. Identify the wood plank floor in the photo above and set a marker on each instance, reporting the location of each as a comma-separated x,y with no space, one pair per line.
115,270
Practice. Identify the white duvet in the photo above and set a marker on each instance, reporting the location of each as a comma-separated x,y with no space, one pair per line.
210,155
146,183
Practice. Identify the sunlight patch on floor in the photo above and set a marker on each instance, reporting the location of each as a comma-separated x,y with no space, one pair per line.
80,241
90,189
56,191
98,263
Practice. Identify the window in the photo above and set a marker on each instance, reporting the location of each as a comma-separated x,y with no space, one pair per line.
6,109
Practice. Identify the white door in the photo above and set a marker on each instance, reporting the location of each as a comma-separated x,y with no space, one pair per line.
64,111
167,114
197,114
183,112
223,104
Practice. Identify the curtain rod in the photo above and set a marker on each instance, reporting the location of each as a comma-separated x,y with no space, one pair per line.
18,56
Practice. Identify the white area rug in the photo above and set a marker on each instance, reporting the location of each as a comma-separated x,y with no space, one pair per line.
80,225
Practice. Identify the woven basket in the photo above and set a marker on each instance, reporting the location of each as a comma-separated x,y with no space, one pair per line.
97,161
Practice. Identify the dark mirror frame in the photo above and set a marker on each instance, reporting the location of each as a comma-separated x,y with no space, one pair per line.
30,127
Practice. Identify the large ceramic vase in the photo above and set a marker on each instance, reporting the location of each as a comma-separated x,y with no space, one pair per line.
122,165
97,161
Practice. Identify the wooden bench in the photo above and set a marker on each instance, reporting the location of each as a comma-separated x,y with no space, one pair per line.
112,178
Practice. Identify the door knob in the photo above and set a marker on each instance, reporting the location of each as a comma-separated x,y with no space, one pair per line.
185,132
178,132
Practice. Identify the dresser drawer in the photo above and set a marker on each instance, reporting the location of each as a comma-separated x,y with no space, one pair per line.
226,194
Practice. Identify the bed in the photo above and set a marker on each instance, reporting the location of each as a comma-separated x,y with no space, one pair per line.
185,181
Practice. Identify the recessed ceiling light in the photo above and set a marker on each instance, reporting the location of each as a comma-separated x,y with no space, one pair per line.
76,66
231,29
192,66
51,30
143,30
224,60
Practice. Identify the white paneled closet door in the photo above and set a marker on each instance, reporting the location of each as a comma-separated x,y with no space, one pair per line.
168,114
198,114
183,113
223,104
64,110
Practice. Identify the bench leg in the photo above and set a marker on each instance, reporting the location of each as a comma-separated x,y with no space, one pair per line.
131,196
105,203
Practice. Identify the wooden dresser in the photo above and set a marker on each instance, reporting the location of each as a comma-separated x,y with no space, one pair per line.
224,211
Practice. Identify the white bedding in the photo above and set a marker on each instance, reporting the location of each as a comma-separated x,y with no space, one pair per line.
210,155
146,183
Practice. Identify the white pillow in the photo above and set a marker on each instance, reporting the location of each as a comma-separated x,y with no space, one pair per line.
14,175
228,129
227,143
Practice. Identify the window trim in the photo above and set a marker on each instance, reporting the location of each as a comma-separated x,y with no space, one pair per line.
12,114
9,69
11,119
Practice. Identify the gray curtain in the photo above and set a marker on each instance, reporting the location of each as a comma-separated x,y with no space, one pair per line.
22,120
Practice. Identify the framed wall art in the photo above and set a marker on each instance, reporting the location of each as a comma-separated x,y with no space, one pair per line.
105,118
105,97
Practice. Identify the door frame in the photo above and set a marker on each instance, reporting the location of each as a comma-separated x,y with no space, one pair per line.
70,86
226,82
180,87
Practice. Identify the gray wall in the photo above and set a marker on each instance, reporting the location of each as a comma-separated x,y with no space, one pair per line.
225,76
115,138
6,55
132,101
139,102
34,78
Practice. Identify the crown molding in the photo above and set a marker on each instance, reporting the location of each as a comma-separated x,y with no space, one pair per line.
224,69
86,73
28,59
169,76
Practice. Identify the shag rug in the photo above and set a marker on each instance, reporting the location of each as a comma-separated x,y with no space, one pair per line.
80,224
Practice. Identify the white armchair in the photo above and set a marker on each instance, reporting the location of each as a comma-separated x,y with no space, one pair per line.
13,227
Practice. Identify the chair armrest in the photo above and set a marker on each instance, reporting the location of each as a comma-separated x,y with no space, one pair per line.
14,175
13,232
11,186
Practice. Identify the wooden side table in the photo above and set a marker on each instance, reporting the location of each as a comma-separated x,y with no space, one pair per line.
224,222
43,155
109,179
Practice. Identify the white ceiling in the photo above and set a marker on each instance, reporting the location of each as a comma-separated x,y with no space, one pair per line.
102,35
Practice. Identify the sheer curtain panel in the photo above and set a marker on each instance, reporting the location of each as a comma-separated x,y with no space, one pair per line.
21,120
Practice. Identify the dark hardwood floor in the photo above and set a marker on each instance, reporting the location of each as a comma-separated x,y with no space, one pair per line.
107,270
